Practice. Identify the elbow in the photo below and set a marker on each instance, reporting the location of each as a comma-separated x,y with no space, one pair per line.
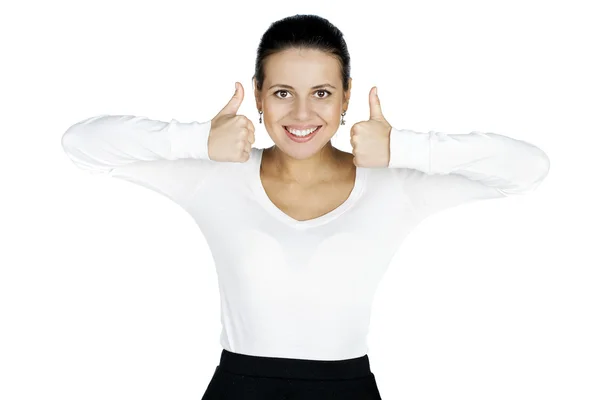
69,140
70,145
76,149
542,168
531,175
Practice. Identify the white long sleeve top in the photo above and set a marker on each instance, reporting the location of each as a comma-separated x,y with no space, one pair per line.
303,289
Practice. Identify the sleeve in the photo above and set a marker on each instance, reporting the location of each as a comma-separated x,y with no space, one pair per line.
170,158
439,170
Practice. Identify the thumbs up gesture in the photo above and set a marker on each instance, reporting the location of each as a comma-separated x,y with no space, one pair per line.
231,136
371,139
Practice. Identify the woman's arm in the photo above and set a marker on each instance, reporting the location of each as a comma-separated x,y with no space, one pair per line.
170,158
439,170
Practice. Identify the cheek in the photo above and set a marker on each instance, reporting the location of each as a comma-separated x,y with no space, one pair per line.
332,112
274,112
329,109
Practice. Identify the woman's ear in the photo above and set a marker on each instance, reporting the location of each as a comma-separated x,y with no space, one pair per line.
347,94
257,94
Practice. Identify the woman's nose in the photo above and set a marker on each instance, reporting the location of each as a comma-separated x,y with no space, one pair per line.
302,110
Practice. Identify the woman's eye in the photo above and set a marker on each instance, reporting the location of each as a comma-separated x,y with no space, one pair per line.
318,91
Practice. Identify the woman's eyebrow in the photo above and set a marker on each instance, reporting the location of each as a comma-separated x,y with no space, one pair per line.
314,87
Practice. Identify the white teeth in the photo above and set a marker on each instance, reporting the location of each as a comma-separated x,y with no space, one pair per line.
304,132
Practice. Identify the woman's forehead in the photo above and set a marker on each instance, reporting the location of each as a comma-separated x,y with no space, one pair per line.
302,71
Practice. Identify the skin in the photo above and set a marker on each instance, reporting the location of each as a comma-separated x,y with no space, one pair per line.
316,161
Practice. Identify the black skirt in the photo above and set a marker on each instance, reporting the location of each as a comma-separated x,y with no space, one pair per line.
247,377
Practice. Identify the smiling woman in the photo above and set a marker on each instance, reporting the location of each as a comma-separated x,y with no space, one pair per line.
315,94
301,233
301,82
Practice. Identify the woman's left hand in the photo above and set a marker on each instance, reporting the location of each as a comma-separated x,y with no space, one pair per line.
370,139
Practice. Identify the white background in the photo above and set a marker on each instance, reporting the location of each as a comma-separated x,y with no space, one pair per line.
108,290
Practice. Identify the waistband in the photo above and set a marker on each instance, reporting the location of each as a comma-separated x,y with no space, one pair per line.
294,368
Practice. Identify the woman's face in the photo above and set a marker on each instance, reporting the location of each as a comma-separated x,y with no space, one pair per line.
300,103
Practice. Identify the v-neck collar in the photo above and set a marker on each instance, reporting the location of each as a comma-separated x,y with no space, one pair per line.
266,202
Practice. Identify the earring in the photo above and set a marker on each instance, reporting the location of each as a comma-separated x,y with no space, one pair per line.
343,122
260,119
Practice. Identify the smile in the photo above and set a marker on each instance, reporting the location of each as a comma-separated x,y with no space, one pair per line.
303,135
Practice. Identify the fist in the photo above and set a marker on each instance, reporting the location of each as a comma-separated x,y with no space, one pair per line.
231,136
370,139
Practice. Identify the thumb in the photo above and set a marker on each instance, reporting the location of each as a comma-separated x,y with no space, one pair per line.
374,104
234,104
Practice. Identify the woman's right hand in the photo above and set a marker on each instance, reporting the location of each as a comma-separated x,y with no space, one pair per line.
231,136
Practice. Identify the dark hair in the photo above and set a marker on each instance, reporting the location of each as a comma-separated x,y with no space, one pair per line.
302,31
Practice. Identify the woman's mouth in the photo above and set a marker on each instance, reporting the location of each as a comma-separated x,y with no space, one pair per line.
302,136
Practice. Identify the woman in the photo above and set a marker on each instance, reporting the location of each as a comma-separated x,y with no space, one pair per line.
301,233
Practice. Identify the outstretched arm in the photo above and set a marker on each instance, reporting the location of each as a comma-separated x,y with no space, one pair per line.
170,158
439,170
